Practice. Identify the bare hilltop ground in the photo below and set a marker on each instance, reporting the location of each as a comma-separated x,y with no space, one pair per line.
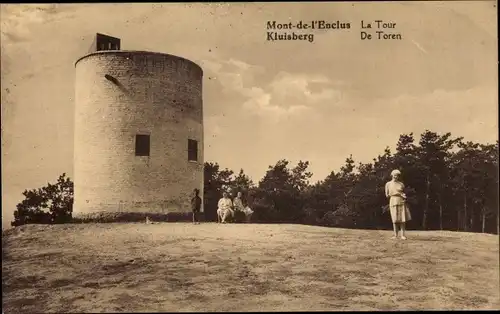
131,267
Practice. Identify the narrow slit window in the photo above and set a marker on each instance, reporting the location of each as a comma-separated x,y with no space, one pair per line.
142,145
192,150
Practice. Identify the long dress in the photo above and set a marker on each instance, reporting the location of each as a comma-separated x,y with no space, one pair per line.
238,205
397,203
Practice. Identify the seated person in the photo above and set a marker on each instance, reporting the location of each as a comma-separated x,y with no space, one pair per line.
224,209
238,205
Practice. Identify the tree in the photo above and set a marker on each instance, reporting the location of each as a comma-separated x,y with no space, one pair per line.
47,205
280,195
433,159
332,201
475,178
241,183
490,186
464,179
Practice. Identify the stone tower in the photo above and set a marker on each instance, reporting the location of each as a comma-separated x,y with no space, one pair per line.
138,130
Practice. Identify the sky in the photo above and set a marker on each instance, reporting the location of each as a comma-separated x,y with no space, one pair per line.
318,101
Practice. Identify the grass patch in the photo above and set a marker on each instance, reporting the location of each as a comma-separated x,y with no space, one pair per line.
135,267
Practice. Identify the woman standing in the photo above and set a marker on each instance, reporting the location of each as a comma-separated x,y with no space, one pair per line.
400,214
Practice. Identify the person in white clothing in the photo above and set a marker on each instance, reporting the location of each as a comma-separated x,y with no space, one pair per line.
238,205
224,208
400,213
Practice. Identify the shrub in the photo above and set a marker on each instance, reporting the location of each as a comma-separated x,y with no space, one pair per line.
113,217
311,216
50,204
343,217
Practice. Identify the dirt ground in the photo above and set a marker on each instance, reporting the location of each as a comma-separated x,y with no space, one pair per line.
180,267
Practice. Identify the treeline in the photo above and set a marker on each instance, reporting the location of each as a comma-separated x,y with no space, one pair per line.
451,184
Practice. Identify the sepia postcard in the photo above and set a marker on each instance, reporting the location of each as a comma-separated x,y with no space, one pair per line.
250,156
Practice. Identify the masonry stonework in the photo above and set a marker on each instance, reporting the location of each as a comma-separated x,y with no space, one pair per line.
118,95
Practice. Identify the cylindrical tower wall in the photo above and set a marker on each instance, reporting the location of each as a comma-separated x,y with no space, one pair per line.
122,94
